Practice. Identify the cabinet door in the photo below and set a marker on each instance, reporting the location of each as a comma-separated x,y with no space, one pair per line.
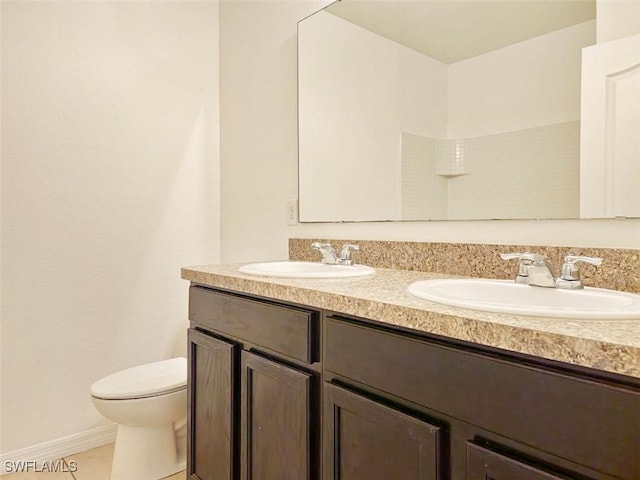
367,440
212,415
483,464
276,420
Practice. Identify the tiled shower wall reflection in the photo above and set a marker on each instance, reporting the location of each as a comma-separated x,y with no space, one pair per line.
423,192
530,173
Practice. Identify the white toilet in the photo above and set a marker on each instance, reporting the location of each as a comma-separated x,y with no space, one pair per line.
146,402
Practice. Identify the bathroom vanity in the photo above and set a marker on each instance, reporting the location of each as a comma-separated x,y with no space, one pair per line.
354,379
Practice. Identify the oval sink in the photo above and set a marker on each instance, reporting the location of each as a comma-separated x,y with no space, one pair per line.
305,270
506,296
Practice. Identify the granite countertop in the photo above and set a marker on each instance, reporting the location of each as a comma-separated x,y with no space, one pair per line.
609,345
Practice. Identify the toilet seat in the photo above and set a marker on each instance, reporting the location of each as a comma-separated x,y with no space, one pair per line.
143,381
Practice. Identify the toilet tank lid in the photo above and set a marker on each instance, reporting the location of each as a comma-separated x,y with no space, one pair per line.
144,380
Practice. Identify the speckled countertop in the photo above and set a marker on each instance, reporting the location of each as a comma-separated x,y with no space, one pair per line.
611,345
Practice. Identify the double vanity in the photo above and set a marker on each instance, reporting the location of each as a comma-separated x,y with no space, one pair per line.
297,373
307,370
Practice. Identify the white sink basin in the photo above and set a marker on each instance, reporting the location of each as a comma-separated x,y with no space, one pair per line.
305,270
505,296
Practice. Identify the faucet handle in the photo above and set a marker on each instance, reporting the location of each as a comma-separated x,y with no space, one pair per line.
570,273
510,256
572,259
319,245
345,253
526,259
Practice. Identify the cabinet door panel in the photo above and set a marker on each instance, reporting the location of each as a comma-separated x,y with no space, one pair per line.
367,440
276,420
211,412
483,464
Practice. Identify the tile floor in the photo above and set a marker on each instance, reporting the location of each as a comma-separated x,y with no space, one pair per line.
91,465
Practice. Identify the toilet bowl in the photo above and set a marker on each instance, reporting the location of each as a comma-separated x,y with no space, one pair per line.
146,402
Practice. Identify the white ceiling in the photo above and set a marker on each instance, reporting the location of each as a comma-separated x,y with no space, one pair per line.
454,30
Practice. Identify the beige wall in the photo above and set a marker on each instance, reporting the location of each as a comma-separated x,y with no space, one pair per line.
528,84
369,93
617,19
612,233
109,186
258,118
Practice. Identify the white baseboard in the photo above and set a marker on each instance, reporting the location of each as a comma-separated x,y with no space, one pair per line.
61,447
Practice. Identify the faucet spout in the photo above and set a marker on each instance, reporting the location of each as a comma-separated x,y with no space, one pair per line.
329,254
541,276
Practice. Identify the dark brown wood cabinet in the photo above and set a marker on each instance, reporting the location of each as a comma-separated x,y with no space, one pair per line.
212,409
483,464
553,421
272,396
365,439
276,420
288,331
253,389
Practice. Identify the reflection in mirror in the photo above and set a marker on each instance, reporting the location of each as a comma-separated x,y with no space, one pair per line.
432,110
610,123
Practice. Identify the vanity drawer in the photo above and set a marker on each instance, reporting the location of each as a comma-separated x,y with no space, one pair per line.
286,329
483,464
576,418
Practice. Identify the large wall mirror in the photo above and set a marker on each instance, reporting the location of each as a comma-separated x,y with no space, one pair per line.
449,110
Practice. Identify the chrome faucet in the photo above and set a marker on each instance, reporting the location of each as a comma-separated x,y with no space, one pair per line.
330,256
535,270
